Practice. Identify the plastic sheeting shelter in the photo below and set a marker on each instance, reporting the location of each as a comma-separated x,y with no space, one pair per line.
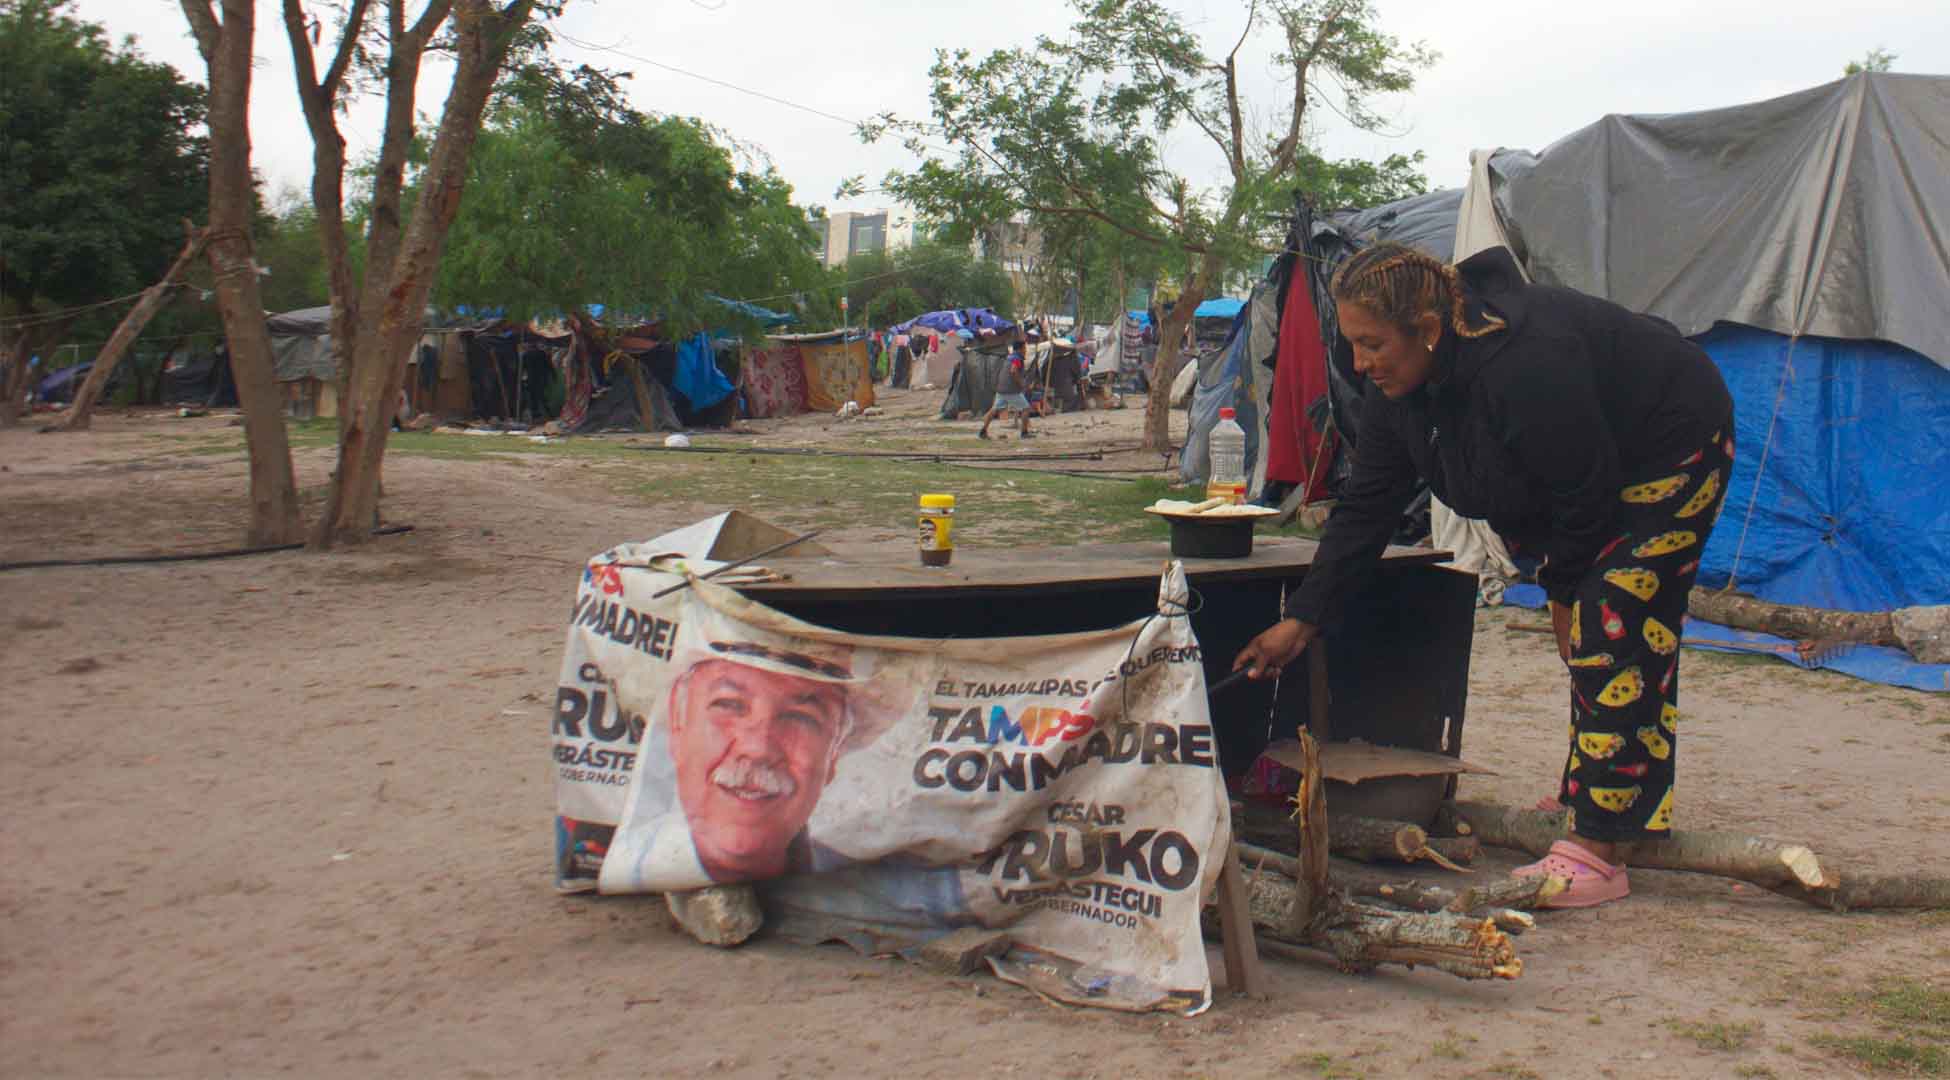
836,368
972,387
980,321
773,381
1798,240
1219,307
1235,377
1815,222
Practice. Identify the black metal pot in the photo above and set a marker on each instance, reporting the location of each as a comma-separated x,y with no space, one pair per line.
1212,538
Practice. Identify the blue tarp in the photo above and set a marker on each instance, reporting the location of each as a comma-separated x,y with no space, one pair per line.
1219,307
697,376
1221,385
1871,663
62,385
764,316
1142,318
955,319
1853,509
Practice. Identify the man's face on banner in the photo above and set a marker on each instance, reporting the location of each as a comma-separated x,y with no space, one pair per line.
753,750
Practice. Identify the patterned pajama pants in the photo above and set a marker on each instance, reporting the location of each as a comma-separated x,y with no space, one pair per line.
1625,626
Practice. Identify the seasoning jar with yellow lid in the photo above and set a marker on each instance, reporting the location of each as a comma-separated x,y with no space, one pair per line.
937,529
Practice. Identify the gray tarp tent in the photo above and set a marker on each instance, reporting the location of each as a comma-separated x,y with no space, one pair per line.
1825,212
301,345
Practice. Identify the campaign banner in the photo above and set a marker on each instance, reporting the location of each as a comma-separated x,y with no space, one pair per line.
886,791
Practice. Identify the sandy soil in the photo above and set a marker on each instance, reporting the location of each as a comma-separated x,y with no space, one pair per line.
289,814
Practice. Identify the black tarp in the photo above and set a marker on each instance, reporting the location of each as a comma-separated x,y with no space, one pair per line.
199,379
972,387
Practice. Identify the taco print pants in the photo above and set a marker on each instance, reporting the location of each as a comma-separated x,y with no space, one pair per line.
1625,625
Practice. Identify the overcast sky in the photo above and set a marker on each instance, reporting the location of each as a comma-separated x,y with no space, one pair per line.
1518,73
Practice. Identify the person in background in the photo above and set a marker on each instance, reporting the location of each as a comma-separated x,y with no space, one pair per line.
1594,437
873,354
537,376
904,362
903,352
1011,391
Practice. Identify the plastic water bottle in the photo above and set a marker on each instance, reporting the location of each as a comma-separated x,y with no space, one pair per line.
1225,448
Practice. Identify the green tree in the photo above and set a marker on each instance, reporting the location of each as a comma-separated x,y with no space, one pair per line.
883,287
1072,128
101,161
576,198
288,250
1877,59
378,308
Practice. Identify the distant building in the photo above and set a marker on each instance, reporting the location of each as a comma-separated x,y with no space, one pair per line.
857,232
1018,248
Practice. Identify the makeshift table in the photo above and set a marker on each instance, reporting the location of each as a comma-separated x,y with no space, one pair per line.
1397,670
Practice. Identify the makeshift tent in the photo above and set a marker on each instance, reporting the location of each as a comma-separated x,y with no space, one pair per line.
59,387
1219,307
1235,377
935,357
765,317
836,368
981,322
772,380
1798,240
301,360
971,389
199,379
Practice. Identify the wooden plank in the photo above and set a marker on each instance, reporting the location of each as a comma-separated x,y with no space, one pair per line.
1240,947
1353,762
1319,723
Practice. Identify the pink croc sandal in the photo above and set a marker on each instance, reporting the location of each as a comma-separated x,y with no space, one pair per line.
1593,880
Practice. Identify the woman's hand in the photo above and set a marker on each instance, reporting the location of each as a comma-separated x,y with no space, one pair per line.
1561,626
1276,647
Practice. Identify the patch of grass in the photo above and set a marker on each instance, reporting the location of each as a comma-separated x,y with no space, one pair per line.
1510,1070
1448,1048
1324,1065
1914,1007
1898,1055
1757,1072
1717,1036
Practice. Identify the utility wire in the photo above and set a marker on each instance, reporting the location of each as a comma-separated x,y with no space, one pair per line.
37,318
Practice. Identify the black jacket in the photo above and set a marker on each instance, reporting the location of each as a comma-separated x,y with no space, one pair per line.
1534,428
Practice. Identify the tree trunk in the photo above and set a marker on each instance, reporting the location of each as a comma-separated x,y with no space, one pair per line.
127,331
226,49
1371,839
1164,368
1790,621
14,373
1747,858
1789,869
393,325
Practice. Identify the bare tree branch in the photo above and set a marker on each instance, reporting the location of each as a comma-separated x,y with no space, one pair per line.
203,23
431,18
1289,146
1232,96
355,21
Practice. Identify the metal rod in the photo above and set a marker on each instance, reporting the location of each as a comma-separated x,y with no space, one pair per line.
773,550
1227,683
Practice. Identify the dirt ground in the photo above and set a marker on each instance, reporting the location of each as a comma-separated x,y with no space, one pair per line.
289,814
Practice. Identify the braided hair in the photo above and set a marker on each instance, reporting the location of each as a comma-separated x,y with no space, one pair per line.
1400,284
